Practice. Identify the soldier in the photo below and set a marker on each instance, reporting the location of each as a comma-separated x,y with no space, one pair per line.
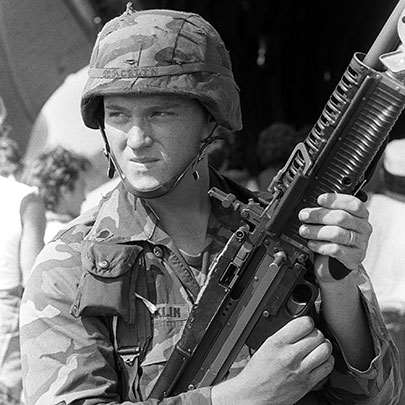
111,293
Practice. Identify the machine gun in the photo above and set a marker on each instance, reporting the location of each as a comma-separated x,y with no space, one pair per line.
263,277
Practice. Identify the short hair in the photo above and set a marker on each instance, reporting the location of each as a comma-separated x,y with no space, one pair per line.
53,170
10,156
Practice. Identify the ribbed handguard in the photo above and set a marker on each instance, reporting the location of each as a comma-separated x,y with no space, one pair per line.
349,134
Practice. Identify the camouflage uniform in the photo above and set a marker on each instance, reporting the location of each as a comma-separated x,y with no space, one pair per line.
85,276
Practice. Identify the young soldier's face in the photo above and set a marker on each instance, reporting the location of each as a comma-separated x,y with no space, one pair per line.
153,137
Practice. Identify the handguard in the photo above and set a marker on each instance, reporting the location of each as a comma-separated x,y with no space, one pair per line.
263,277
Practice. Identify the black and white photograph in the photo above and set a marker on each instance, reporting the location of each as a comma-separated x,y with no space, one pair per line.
202,202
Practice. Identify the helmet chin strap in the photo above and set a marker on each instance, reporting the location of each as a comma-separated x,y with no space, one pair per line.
164,188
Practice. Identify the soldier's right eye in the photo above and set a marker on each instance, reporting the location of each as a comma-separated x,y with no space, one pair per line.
118,117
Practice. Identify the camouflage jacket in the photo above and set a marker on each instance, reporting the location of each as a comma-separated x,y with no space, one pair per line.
114,274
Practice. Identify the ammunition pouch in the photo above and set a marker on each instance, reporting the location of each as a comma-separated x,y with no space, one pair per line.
113,276
107,286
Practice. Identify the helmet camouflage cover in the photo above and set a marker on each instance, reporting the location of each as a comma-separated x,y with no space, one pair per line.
162,52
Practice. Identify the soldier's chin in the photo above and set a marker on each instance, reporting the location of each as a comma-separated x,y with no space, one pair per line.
145,185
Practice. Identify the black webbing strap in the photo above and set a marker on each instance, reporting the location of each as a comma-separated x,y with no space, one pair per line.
131,339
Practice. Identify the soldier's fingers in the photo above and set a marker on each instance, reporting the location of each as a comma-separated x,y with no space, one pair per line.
325,216
344,202
307,344
351,257
321,372
333,234
317,357
294,330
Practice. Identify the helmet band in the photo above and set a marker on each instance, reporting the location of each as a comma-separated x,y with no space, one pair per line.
156,71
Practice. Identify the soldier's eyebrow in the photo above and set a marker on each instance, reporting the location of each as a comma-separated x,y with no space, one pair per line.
116,107
166,104
158,104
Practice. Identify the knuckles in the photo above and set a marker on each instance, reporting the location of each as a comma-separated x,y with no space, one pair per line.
332,250
340,217
325,349
320,336
336,233
356,204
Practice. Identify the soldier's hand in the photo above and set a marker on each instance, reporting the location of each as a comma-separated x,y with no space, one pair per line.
338,228
286,367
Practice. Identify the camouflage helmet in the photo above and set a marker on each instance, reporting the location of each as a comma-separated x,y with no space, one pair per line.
162,52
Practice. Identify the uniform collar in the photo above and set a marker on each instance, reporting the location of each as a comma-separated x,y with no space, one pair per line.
122,218
125,218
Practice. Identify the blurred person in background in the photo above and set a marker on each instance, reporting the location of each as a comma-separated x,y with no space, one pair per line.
22,216
221,157
10,158
59,175
274,146
385,258
218,155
